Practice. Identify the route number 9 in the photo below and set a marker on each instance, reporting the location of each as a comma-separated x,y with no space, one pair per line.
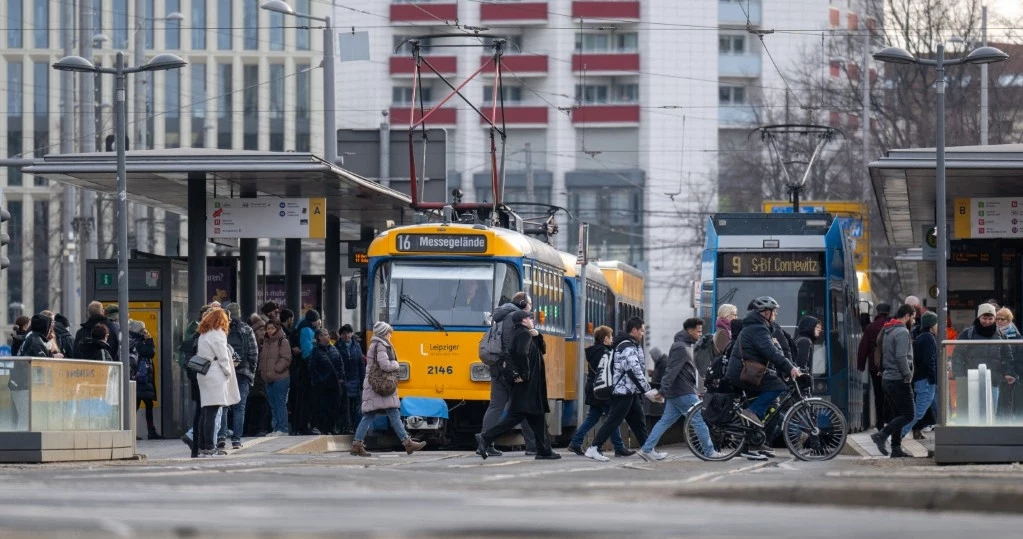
736,265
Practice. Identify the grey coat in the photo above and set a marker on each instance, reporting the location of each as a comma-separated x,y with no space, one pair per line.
897,353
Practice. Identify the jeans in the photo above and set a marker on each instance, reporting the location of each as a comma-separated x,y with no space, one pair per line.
592,416
900,395
627,408
763,400
500,397
675,408
237,418
277,395
536,422
393,417
924,398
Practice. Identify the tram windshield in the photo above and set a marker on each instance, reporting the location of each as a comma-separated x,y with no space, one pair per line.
797,297
453,294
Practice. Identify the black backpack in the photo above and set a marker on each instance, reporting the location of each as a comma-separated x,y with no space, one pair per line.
718,408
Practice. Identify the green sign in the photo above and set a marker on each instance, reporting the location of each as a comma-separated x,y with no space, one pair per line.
106,279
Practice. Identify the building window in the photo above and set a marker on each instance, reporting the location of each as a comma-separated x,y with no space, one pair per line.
276,31
250,102
250,12
402,95
627,42
41,34
15,252
41,112
64,6
15,122
731,95
41,255
198,107
303,98
224,25
120,30
172,108
302,34
198,24
602,94
150,109
15,21
97,17
276,107
173,28
150,27
512,94
225,90
732,44
615,216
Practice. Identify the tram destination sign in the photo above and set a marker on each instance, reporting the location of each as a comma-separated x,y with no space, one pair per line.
441,243
771,264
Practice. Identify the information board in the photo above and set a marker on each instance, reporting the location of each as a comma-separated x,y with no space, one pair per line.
989,217
771,264
266,218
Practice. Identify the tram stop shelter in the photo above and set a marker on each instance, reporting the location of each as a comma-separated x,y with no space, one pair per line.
183,180
985,211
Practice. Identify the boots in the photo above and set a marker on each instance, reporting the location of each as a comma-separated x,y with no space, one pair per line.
411,446
153,435
359,450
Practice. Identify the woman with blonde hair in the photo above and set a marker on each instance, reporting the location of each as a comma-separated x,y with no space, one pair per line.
219,386
726,313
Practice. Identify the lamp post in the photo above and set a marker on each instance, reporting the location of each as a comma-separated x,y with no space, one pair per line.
329,125
120,71
981,55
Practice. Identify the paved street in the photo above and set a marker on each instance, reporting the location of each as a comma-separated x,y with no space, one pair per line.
455,494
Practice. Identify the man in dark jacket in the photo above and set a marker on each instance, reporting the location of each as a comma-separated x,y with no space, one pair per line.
528,375
37,343
679,382
500,387
96,315
355,373
865,361
243,341
602,337
757,344
326,374
62,334
897,378
998,359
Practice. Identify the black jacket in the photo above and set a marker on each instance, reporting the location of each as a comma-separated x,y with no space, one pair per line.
502,315
85,332
925,358
593,356
142,370
805,340
355,366
95,350
325,365
36,344
526,360
17,339
243,341
680,376
788,346
997,358
62,333
755,344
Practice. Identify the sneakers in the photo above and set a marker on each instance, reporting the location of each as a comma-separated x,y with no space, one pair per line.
752,454
550,456
481,447
577,450
530,453
493,451
593,453
715,454
652,455
898,453
751,416
766,451
276,434
928,428
221,444
236,445
186,439
624,452
879,439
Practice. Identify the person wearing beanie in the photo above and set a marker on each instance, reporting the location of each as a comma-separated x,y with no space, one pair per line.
925,372
998,359
865,362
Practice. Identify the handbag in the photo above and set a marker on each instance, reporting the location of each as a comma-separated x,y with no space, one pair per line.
381,382
198,365
752,372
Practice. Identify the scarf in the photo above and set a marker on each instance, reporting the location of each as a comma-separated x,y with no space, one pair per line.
986,332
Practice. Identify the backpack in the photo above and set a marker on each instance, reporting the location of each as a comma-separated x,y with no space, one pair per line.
603,382
878,348
490,349
714,377
718,408
703,352
144,372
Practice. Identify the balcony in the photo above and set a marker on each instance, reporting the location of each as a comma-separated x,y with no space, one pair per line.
739,65
523,65
730,13
403,66
612,115
399,116
424,12
517,13
736,116
612,9
518,115
611,63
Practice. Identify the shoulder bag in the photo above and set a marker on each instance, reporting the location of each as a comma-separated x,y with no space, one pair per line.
753,372
381,382
198,365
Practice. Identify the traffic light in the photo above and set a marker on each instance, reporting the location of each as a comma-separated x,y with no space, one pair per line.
4,237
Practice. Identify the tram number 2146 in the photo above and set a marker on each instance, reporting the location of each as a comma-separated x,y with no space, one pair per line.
440,369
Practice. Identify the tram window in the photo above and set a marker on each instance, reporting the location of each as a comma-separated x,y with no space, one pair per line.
454,294
568,304
379,304
508,276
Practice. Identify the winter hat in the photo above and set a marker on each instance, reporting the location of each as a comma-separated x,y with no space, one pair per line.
884,308
111,310
40,324
382,329
135,326
269,307
929,319
311,315
234,310
520,315
985,308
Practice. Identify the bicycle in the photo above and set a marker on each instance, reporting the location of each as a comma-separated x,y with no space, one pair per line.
807,438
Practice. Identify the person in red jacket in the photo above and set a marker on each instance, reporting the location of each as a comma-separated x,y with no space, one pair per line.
865,361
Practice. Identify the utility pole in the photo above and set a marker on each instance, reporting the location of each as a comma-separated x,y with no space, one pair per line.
865,115
70,305
983,80
530,187
142,212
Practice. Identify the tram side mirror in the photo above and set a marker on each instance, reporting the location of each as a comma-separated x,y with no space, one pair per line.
352,294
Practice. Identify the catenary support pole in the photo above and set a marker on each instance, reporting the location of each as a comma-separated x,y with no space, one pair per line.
120,120
196,243
940,220
293,275
71,291
332,269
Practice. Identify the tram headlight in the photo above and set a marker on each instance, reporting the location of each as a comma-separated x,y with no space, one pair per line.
479,372
403,371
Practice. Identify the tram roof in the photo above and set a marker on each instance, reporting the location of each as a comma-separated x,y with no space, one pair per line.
158,178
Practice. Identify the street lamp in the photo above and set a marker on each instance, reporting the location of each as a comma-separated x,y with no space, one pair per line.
981,55
329,126
77,64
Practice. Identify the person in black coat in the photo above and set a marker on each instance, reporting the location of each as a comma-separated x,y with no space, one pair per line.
97,316
144,372
756,343
528,374
37,342
326,375
807,332
62,334
18,334
96,347
602,337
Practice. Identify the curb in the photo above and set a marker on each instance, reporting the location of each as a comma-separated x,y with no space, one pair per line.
947,497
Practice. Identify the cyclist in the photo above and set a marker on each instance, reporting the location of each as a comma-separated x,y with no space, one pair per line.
755,344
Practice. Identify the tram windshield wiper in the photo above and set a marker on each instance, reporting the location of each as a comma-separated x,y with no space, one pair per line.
422,312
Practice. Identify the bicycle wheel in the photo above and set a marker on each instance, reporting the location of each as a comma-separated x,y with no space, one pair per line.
727,439
814,429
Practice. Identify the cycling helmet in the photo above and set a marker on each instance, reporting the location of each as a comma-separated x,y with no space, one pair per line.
765,303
